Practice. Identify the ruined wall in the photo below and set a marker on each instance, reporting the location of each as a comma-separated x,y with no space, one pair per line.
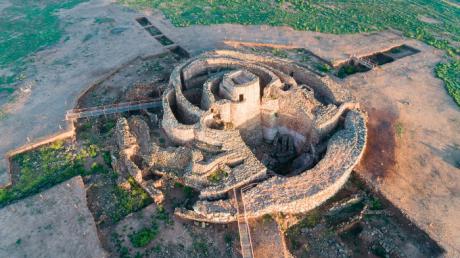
295,101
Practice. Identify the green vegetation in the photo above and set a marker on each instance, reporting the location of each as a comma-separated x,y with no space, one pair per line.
25,28
279,52
311,219
336,17
124,202
200,249
399,128
323,16
144,236
450,74
325,68
46,166
163,215
375,204
3,115
217,175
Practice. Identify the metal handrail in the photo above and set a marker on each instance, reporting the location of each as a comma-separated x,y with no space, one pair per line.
111,109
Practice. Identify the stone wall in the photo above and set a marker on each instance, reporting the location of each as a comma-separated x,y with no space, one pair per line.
203,112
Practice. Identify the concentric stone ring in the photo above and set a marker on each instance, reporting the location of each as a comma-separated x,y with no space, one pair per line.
241,120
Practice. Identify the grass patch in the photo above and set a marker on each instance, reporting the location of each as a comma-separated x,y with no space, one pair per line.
200,249
144,236
323,16
46,166
337,17
6,90
375,204
162,215
217,176
399,128
25,28
125,201
312,219
325,68
450,74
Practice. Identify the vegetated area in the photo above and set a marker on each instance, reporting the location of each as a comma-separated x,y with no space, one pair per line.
436,23
25,28
358,223
450,74
150,229
88,156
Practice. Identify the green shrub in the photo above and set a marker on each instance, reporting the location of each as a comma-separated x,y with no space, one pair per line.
107,158
97,168
399,128
200,248
143,237
163,215
375,204
128,201
325,68
311,219
217,175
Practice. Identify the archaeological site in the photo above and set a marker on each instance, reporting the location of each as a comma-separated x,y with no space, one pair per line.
237,121
235,129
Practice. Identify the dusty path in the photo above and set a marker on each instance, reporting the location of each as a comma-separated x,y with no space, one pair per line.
417,169
267,240
61,73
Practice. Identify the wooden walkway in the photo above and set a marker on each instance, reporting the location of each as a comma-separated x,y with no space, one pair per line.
112,109
243,227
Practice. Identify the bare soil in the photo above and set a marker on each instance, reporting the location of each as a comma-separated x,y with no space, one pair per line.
44,225
371,227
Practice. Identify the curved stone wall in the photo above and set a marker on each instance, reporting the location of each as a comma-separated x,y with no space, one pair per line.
292,101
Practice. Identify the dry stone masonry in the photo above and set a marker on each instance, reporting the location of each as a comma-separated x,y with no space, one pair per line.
238,119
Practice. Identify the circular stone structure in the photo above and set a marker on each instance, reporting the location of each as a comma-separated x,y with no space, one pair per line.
286,135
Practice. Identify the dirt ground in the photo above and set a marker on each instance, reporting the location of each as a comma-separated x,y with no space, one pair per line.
43,225
267,240
89,52
358,223
413,152
176,238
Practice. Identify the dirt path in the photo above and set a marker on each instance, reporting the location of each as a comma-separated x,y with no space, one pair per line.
266,238
60,74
